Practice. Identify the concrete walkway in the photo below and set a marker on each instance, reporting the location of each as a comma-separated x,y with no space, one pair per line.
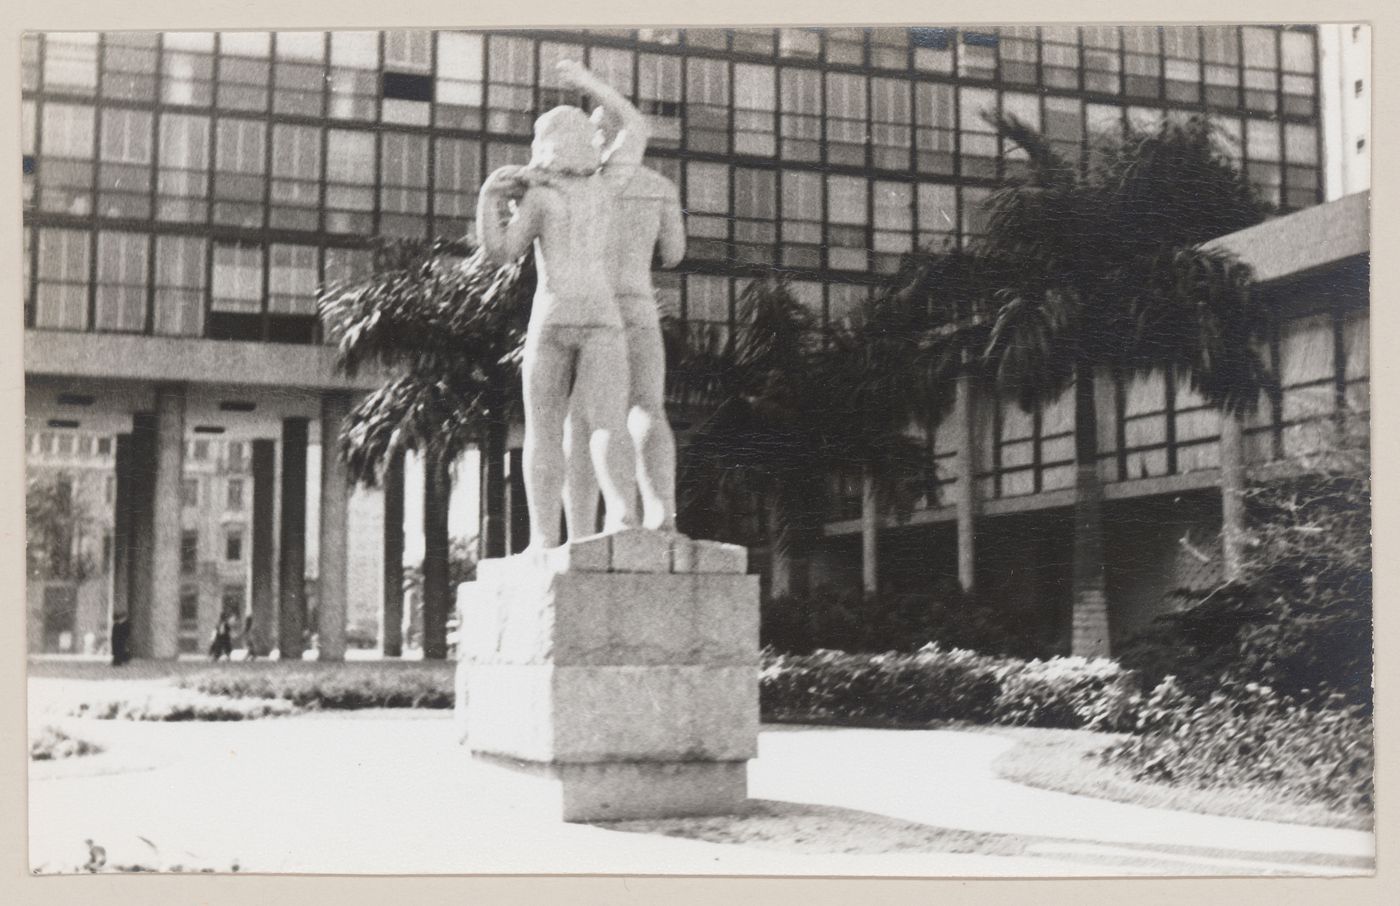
391,793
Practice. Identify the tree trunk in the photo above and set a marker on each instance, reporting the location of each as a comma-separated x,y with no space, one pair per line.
437,595
1232,488
1089,628
780,564
869,532
391,630
493,490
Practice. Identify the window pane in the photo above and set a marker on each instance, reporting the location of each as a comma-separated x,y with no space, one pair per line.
354,74
187,68
460,79
61,297
239,171
129,65
180,285
510,95
457,177
845,119
237,278
707,105
292,280
296,174
124,176
65,173
183,180
801,114
349,181
122,259
70,62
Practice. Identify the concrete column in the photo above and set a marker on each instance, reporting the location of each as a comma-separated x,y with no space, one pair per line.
869,533
139,496
965,488
163,623
121,528
291,566
334,530
262,600
391,624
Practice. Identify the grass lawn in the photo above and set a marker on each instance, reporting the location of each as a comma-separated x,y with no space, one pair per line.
1066,761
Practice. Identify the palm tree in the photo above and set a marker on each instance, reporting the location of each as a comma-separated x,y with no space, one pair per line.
1101,270
451,326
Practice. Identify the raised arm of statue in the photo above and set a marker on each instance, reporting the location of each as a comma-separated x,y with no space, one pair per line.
504,235
624,155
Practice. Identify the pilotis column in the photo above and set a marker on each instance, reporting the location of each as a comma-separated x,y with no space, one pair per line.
163,620
291,567
334,530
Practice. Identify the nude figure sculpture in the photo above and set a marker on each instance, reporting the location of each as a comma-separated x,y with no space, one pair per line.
647,220
562,203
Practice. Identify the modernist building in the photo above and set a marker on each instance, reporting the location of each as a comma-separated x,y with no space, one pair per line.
187,193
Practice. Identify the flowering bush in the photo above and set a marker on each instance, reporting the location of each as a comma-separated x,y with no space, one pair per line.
342,687
1251,735
1067,692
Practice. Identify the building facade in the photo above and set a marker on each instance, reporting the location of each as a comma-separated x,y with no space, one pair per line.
187,193
1345,54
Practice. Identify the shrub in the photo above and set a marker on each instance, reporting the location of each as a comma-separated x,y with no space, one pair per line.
178,705
1250,735
339,687
1067,692
851,620
51,744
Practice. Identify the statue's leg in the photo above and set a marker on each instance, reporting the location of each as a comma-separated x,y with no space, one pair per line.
602,389
650,430
580,486
545,372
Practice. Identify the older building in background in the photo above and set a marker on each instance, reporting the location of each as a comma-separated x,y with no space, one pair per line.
187,193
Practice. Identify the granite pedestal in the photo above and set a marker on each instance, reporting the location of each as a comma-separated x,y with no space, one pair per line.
614,677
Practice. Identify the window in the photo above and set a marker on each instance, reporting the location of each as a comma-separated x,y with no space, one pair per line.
189,492
29,129
1018,54
659,35
408,50
407,82
979,138
935,133
233,544
124,167
707,105
1101,63
552,92
755,215
403,185
1145,425
1221,49
347,265
61,297
938,215
889,48
187,68
189,621
707,207
299,73
753,41
244,69
755,101
296,177
510,100
1307,370
845,45
890,123
70,62
238,278
29,61
974,212
292,280
1059,56
1181,47
240,174
802,219
894,224
933,49
459,89
122,259
803,43
659,97
236,458
180,285
845,119
1300,146
104,448
847,207
843,300
1064,126
707,306
349,181
1299,72
503,154
1264,153
801,120
1026,108
614,66
1261,68
711,38
458,175
65,171
129,65
977,58
201,450
182,180
353,79
1142,61
189,553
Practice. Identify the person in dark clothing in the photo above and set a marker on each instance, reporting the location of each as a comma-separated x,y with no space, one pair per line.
222,645
248,645
121,640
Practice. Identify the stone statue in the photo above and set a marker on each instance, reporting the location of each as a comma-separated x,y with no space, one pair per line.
648,219
562,203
